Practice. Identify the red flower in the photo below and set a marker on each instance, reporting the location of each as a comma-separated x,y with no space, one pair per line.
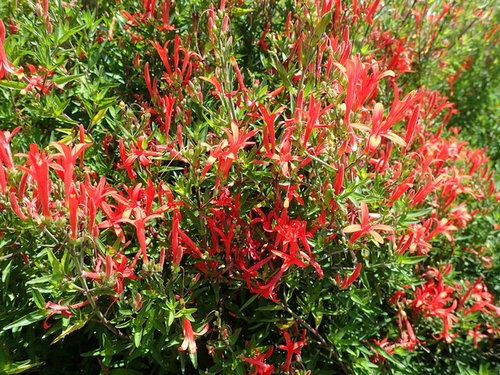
5,65
39,171
259,362
385,345
116,270
348,280
189,336
476,335
55,308
365,227
291,348
226,151
73,202
66,158
137,196
5,153
380,128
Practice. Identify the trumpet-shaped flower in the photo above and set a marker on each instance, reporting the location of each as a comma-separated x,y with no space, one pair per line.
366,227
189,334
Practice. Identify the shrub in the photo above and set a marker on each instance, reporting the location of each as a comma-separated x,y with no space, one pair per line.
259,187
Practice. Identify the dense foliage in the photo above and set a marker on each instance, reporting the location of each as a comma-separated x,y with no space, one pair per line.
262,186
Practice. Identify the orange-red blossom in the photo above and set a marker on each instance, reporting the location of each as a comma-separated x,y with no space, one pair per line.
366,227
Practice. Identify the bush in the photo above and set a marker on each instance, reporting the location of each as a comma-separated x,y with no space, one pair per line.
247,187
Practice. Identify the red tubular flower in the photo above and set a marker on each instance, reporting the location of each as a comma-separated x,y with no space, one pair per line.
66,158
476,335
283,158
313,113
259,362
39,171
189,334
269,135
73,201
138,152
442,227
3,179
141,214
483,300
116,270
338,184
380,128
166,15
55,308
399,190
348,280
94,197
227,151
291,349
5,66
5,153
385,345
408,339
15,206
365,227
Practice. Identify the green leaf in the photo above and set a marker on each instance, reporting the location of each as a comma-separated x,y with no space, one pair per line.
269,308
66,79
56,266
43,279
12,85
320,29
122,371
250,300
194,360
66,36
138,337
170,319
99,116
18,367
411,259
68,330
419,213
38,298
241,11
26,320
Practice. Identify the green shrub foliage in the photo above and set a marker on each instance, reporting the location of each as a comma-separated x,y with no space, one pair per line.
249,187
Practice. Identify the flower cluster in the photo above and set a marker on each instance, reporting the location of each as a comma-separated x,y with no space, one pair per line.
274,203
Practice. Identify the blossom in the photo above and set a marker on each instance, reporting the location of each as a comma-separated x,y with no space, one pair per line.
259,362
291,349
39,171
365,227
66,158
5,65
189,336
116,270
5,153
379,129
55,308
348,280
226,151
385,345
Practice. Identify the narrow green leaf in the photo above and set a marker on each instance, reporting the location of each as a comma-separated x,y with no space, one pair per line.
26,320
250,300
194,360
411,259
18,367
65,79
12,85
38,298
68,330
99,116
320,29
